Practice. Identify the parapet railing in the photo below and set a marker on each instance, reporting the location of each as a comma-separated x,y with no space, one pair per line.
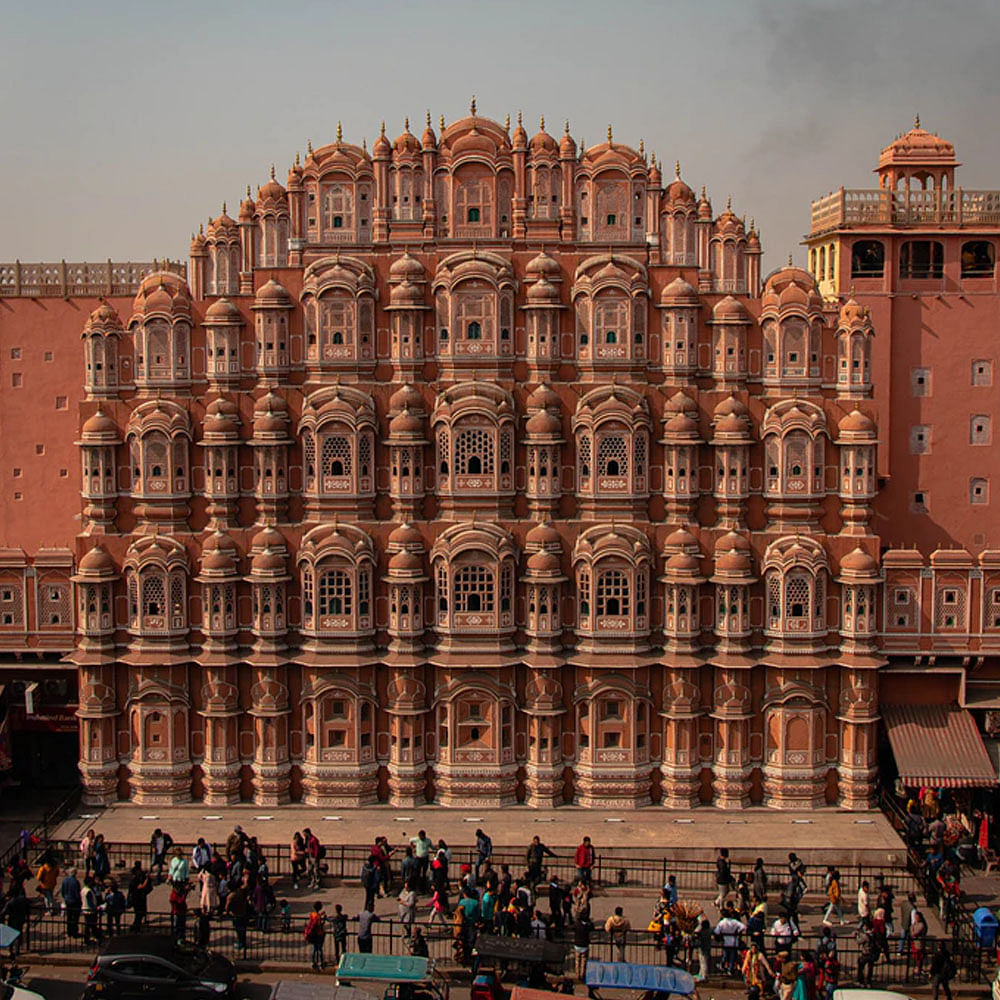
64,279
847,207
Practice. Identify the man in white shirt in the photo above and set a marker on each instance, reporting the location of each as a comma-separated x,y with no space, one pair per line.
864,907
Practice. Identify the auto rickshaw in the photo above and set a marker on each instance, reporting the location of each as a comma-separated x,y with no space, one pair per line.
407,977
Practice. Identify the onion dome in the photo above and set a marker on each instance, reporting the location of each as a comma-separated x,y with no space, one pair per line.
267,562
543,292
97,562
104,319
544,397
221,418
219,555
382,150
407,295
543,423
731,419
543,266
99,427
406,142
679,293
405,563
567,147
270,414
222,312
407,268
655,177
162,293
678,193
681,539
732,559
729,222
729,311
857,428
429,139
704,205
918,146
405,536
406,397
272,295
543,563
542,142
295,175
859,567
247,208
406,424
753,237
543,536
268,538
854,316
224,225
680,402
682,564
790,290
272,194
680,427
198,241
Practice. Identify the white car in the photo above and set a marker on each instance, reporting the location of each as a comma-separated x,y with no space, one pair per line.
18,993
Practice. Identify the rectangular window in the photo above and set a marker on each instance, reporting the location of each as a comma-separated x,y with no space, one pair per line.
982,373
920,381
901,596
919,502
920,440
16,380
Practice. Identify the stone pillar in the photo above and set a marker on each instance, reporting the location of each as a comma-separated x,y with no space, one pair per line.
732,713
220,717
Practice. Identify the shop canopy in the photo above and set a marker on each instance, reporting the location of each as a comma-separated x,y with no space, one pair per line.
939,746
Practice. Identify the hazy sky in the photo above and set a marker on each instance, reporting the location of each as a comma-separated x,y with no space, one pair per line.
125,124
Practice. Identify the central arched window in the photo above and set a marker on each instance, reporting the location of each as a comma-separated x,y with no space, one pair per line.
333,593
474,331
474,452
612,456
474,590
612,594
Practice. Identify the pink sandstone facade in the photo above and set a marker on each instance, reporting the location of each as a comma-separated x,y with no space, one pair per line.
481,469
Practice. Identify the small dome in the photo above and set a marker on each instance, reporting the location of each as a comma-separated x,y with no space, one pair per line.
97,560
680,402
406,562
704,206
224,225
543,266
681,424
791,288
272,194
544,397
730,310
681,539
567,146
729,222
222,311
270,414
542,142
853,315
543,562
406,142
858,561
543,423
104,317
407,268
405,423
382,149
273,295
678,193
730,406
271,402
856,423
732,561
219,553
406,536
407,294
543,291
268,538
679,293
683,563
918,146
267,562
221,417
406,397
543,535
99,425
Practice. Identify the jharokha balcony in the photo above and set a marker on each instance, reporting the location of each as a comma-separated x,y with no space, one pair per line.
902,207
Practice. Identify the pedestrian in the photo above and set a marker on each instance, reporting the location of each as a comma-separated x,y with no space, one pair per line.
48,877
236,909
866,952
297,857
703,942
315,934
409,868
114,907
535,856
15,914
369,882
179,869
785,931
617,928
864,906
729,930
72,900
263,903
723,877
236,841
159,844
906,912
756,926
833,894
418,945
101,866
208,895
757,972
139,887
484,850
339,927
201,855
422,846
759,881
178,911
90,902
313,851
439,907
555,904
87,851
918,941
585,858
583,928
439,871
407,900
365,920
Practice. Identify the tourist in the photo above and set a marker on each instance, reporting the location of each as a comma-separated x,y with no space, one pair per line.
864,905
583,928
832,881
759,881
90,902
535,857
785,932
159,844
484,850
943,970
236,907
139,887
297,857
236,841
702,940
178,910
409,868
338,926
15,914
723,877
114,906
756,924
369,882
201,855
263,903
730,930
906,912
48,877
407,900
87,851
617,928
208,896
866,952
70,892
829,975
918,941
418,945
757,972
439,906
179,869
365,920
315,934
422,847
585,858
556,894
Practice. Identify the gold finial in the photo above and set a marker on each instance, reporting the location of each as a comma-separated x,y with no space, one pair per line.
610,137
381,130
340,133
566,127
642,148
677,170
916,121
852,291
297,162
753,227
703,198
729,203
472,105
441,122
789,260
428,117
201,228
506,122
272,171
248,192
519,116
541,124
309,146
406,124
364,144
223,208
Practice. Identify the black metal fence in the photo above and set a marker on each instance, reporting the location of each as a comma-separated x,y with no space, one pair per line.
46,934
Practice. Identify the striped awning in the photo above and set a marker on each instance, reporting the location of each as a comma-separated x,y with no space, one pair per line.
938,745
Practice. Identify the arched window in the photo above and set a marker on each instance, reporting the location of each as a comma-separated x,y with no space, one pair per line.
334,593
868,259
474,452
978,259
474,590
474,331
921,259
613,594
472,215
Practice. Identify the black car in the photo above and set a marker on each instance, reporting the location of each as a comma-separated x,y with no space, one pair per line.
153,965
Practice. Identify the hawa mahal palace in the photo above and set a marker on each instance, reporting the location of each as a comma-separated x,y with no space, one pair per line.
484,469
